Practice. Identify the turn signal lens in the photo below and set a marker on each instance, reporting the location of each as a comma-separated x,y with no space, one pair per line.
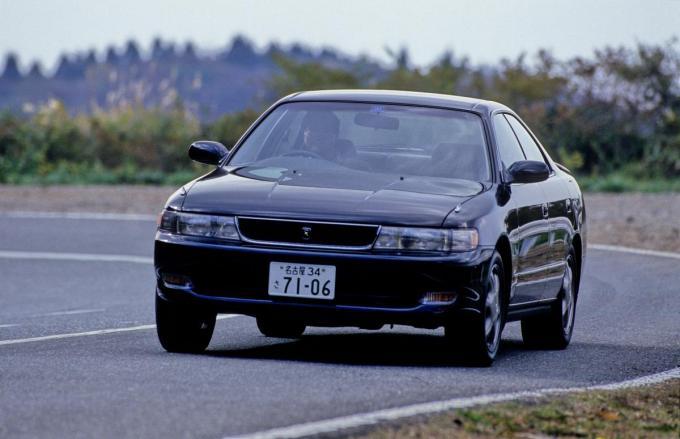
167,221
439,297
464,239
176,281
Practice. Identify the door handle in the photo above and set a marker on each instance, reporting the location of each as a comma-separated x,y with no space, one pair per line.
544,209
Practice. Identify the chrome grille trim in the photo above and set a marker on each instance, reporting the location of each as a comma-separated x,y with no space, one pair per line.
244,238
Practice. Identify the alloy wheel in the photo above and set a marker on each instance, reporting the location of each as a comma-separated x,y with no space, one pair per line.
492,311
568,301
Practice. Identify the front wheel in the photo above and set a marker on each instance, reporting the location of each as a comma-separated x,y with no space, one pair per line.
478,336
553,330
183,328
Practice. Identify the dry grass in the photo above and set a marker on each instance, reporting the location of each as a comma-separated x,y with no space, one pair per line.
650,411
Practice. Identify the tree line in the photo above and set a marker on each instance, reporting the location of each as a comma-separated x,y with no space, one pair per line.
618,110
615,112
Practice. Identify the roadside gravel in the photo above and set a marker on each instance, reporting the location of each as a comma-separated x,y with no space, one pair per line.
649,221
100,199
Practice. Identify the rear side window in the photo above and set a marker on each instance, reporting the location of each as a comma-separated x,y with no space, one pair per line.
529,146
508,146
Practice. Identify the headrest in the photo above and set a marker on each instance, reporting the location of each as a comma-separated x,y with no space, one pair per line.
324,121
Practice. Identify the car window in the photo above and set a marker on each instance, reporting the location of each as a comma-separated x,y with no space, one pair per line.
508,146
385,139
531,149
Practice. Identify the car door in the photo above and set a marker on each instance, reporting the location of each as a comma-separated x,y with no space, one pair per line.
559,209
529,234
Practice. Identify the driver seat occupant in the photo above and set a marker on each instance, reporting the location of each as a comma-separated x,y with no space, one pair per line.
320,130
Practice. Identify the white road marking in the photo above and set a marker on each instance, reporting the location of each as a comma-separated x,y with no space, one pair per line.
635,251
9,325
96,332
373,418
84,257
75,334
94,257
69,313
146,217
329,425
79,216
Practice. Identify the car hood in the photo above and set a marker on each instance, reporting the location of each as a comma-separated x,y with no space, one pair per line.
327,195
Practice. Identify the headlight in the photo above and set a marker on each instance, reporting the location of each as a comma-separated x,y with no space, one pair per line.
193,224
421,239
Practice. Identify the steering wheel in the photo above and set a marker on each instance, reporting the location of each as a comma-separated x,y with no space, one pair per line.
302,153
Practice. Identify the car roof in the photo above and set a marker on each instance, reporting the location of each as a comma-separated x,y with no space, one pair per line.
398,97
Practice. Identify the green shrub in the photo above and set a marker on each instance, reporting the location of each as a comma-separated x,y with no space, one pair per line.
614,118
125,145
619,182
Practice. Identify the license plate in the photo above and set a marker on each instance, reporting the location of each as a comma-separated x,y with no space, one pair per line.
302,280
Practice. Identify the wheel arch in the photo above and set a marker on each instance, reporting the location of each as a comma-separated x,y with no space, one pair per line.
577,243
504,249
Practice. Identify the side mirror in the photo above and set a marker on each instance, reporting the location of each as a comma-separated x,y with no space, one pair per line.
208,152
528,171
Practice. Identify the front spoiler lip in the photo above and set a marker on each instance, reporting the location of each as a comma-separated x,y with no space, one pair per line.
326,307
428,316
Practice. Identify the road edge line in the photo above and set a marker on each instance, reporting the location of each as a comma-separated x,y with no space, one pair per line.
82,257
334,425
148,217
634,250
88,333
111,216
94,257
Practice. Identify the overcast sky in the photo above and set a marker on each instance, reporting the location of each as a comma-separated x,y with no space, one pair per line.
483,30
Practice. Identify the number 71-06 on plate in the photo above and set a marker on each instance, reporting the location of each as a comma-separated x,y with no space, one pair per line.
302,280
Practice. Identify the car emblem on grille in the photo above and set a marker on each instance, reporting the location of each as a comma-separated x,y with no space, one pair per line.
306,233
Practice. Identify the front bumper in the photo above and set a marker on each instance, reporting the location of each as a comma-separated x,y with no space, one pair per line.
371,290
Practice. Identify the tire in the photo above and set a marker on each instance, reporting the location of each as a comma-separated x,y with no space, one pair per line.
183,328
553,330
477,337
280,328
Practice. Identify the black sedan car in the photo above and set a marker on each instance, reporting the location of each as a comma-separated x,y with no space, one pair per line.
367,208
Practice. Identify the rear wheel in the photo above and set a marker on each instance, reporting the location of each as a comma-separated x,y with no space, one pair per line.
281,328
183,328
478,337
553,330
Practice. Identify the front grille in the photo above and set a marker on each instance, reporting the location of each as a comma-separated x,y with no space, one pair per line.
307,233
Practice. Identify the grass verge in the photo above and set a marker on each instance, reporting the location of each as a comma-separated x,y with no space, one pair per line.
618,182
648,411
83,174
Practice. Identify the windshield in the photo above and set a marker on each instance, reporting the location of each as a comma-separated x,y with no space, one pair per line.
371,138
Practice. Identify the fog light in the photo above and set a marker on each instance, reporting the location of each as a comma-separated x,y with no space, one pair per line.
176,281
439,297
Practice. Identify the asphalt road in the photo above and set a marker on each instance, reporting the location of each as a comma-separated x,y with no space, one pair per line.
124,385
